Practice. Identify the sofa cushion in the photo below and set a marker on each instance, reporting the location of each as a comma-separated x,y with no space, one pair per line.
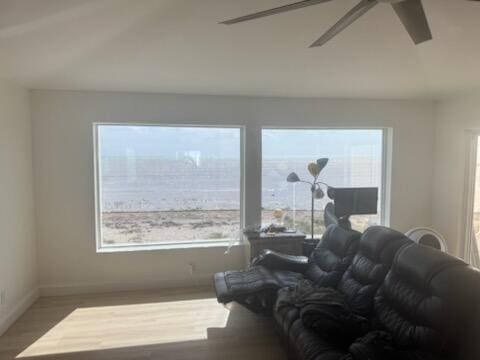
377,249
426,300
471,348
332,256
284,318
309,346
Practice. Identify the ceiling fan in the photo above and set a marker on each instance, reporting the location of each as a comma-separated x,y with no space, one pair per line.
410,12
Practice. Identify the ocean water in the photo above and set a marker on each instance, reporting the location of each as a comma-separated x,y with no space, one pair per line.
140,184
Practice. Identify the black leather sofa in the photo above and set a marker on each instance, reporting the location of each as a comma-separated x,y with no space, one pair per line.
256,288
426,300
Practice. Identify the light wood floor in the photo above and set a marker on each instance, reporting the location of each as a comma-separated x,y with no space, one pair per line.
177,324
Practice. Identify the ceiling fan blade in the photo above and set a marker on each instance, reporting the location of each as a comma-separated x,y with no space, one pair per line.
361,8
277,10
413,17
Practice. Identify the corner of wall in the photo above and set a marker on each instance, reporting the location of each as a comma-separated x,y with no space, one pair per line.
13,314
35,207
18,246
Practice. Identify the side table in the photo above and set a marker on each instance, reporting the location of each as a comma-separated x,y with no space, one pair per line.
287,243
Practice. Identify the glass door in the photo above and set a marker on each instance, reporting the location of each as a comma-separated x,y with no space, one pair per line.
473,198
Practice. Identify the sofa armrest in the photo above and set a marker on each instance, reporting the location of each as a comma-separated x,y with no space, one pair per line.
277,261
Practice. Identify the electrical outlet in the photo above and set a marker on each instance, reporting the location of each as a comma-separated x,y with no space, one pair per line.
3,297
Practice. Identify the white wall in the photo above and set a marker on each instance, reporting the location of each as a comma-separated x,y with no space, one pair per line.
454,118
63,168
18,265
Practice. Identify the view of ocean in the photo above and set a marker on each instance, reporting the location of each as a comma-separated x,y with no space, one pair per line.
169,184
156,184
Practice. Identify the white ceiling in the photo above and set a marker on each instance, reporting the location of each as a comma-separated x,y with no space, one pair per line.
176,46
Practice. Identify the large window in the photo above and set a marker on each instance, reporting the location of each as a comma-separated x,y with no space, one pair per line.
355,160
163,185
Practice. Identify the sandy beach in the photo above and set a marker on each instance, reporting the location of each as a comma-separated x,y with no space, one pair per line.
121,228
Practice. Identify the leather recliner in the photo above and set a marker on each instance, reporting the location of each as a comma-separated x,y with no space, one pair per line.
256,287
377,249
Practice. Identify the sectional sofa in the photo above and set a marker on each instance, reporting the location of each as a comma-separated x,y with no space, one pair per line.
426,301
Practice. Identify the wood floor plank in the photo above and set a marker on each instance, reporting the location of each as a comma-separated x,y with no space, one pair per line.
185,324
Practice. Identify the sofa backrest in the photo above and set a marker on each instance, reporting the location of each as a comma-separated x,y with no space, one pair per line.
428,301
471,346
332,256
377,249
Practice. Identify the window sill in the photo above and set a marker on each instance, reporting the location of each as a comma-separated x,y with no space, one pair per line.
162,247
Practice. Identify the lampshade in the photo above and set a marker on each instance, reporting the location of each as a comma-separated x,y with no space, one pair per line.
314,169
293,178
322,163
319,194
331,193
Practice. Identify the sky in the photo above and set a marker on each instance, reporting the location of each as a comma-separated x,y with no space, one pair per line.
224,143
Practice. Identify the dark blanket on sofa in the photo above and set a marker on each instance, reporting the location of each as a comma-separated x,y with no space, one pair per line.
379,345
325,311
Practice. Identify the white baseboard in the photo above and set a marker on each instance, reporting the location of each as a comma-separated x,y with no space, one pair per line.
95,288
13,314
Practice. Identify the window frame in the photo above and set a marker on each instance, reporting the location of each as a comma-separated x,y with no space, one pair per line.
385,161
207,243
